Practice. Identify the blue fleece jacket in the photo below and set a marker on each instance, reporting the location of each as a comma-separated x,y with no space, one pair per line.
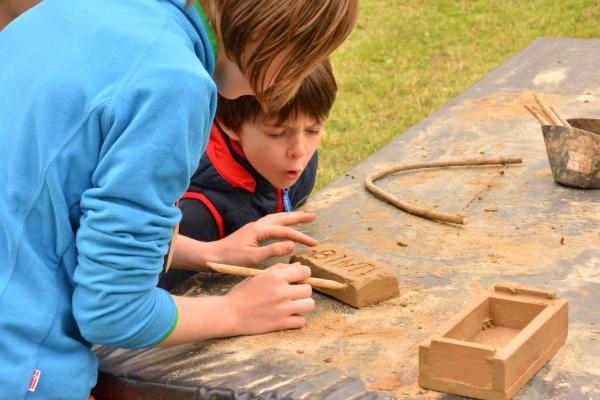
105,110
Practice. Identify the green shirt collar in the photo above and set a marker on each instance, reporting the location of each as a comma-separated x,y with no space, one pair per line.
212,38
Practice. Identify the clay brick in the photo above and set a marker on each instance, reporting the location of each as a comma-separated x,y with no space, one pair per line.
368,281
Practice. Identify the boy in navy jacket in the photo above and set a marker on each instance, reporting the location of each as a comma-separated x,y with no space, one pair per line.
256,163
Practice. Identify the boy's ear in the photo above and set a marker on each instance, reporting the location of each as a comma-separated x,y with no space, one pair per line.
228,131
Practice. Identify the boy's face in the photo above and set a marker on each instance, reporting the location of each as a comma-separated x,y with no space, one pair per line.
280,152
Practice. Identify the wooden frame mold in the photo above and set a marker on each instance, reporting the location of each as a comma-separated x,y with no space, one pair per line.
491,349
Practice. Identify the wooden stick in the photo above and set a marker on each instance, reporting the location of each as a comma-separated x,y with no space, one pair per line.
516,289
537,116
425,212
243,271
560,117
542,114
547,112
169,257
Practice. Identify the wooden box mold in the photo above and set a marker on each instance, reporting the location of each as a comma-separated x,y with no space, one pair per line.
491,349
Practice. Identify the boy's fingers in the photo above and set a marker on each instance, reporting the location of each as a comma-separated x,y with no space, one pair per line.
290,218
294,322
277,266
294,273
290,273
303,306
275,249
300,291
284,232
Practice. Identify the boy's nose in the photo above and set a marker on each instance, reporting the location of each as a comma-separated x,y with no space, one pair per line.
297,149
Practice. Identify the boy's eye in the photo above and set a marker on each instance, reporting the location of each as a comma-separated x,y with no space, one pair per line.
313,131
275,133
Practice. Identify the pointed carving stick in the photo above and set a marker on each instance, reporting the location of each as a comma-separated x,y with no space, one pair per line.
243,271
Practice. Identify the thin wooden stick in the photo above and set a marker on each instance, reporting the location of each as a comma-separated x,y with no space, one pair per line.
421,211
542,114
547,112
560,117
169,258
243,271
537,116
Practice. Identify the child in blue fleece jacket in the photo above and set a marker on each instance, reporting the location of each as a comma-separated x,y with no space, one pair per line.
105,110
255,163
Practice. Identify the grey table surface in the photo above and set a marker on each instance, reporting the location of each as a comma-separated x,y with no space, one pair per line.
541,234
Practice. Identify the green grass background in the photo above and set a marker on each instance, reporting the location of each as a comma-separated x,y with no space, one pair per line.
405,59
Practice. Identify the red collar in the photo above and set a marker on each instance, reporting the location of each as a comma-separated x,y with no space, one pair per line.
221,158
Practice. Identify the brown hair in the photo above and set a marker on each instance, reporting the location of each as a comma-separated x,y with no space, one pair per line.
314,98
305,31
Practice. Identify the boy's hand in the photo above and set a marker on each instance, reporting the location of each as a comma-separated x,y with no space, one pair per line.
242,246
270,302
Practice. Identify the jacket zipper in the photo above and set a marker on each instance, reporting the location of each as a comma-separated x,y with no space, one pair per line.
287,203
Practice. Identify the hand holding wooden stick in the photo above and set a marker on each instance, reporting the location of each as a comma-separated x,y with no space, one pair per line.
243,271
546,115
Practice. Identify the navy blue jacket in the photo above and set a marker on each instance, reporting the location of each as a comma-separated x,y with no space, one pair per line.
226,193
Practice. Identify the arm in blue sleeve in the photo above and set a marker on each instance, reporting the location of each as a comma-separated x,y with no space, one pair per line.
155,130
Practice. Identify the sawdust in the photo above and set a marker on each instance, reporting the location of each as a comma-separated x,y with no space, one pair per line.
576,362
486,176
524,189
379,344
328,197
389,382
452,195
488,184
475,247
371,342
552,77
378,216
505,105
583,273
427,176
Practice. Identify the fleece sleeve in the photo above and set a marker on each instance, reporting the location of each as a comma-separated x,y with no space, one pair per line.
155,128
